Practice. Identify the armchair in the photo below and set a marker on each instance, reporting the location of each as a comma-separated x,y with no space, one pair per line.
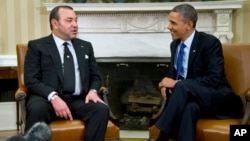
62,130
236,58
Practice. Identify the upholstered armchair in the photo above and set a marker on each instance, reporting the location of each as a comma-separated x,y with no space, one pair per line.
62,130
236,58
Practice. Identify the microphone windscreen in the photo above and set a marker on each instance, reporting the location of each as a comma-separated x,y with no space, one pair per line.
40,131
16,138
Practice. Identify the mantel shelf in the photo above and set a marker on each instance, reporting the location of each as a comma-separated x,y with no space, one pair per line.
164,6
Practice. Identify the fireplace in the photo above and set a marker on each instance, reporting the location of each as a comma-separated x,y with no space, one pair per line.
132,82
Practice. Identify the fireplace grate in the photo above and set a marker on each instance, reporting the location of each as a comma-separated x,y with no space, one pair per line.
8,89
134,96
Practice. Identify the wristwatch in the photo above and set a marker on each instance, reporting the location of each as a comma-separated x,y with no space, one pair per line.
53,97
93,90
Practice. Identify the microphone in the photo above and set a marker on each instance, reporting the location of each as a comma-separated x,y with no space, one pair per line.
40,131
16,138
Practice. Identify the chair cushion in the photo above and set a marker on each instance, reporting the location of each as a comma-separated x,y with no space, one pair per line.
212,129
207,129
66,130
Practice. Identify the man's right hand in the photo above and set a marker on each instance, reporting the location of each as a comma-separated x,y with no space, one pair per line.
61,108
163,92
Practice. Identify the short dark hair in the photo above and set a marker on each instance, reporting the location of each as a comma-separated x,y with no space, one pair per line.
54,13
187,12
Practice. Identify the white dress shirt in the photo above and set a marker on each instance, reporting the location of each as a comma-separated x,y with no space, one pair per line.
188,43
59,43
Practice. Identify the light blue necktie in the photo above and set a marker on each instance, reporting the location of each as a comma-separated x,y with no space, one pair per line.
180,60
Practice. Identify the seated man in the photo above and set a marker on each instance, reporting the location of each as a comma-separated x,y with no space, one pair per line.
62,78
198,86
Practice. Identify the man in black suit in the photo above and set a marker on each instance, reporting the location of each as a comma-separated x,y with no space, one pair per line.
48,97
198,86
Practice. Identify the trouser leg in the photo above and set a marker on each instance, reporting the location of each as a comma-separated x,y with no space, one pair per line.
187,128
95,116
183,92
38,110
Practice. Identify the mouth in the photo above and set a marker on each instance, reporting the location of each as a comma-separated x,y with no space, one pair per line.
74,31
171,32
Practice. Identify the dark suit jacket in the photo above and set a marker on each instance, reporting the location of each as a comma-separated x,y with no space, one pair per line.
43,68
206,67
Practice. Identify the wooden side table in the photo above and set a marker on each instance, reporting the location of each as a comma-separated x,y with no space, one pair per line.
8,72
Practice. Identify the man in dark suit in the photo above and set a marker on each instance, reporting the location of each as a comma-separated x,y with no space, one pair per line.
197,86
45,78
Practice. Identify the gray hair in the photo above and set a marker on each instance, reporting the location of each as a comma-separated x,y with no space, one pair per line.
187,12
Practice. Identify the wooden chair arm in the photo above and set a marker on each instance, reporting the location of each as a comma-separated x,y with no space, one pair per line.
103,92
246,116
20,94
20,97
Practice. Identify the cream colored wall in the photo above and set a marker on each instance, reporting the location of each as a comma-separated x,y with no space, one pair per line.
20,21
23,20
242,21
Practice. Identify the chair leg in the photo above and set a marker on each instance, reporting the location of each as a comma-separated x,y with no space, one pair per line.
18,122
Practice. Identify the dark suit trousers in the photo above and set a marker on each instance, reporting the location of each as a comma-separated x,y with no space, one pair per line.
95,115
183,109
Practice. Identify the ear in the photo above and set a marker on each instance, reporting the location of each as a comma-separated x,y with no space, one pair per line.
54,23
190,25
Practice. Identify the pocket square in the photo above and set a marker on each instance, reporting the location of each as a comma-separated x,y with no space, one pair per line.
86,56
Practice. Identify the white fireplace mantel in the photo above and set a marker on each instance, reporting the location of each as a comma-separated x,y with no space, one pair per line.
140,29
165,6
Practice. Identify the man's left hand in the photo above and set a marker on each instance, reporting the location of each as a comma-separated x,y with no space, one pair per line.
93,96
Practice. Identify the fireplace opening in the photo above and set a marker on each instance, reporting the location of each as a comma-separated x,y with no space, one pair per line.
134,96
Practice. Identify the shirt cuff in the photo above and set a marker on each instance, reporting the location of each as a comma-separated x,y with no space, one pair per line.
93,90
51,94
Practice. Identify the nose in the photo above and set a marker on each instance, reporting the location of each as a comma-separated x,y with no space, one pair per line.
169,26
74,23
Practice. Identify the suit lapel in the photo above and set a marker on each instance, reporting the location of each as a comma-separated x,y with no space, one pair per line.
194,48
174,47
80,55
52,49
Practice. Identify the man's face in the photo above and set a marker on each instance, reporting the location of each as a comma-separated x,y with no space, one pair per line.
66,27
178,28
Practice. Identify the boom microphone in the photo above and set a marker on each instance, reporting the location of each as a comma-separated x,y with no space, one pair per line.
16,138
38,132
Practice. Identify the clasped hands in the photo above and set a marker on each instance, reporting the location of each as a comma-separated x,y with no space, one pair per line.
62,110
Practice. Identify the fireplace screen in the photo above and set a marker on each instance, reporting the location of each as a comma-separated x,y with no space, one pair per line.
134,96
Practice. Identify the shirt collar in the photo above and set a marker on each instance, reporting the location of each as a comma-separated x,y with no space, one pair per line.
189,40
59,41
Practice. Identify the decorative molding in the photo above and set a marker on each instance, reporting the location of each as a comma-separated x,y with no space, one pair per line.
164,6
143,23
8,61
